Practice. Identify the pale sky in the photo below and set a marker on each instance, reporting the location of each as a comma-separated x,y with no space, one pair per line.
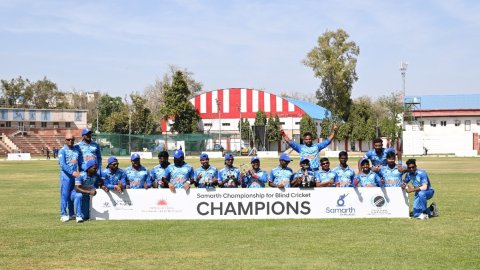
122,46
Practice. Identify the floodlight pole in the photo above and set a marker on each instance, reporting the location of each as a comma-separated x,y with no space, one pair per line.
219,123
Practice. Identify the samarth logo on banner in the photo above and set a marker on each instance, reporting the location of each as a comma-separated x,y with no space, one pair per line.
341,207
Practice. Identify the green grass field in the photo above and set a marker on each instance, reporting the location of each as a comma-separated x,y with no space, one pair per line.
32,236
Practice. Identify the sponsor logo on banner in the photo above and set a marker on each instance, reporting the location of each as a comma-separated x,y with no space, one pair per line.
341,207
379,203
163,206
118,204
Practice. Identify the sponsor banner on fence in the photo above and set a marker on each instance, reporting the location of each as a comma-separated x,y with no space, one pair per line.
266,203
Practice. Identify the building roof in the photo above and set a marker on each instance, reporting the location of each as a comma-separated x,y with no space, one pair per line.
312,109
448,102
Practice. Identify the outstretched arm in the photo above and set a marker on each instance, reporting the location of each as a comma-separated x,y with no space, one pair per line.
285,136
334,132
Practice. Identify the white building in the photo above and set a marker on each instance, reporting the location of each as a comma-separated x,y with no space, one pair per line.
444,124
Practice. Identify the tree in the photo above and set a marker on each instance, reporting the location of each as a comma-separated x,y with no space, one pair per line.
108,105
260,118
334,62
244,126
154,94
308,125
142,119
273,127
45,94
16,92
391,117
362,120
177,105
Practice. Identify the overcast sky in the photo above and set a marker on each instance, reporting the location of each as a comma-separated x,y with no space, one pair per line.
122,46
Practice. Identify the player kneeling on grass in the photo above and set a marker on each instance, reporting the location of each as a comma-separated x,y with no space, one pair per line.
229,177
113,177
325,176
137,176
305,177
367,177
423,191
254,177
206,176
84,188
281,176
179,174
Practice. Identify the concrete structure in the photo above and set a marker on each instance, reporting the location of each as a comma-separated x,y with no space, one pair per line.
30,130
444,124
221,110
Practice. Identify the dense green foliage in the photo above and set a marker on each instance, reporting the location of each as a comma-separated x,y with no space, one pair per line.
334,60
308,125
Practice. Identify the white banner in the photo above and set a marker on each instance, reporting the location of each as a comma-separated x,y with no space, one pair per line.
265,203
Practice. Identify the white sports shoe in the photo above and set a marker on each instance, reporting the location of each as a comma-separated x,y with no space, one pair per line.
422,216
79,219
64,219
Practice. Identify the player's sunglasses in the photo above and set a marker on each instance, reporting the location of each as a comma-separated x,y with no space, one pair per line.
324,163
411,167
70,139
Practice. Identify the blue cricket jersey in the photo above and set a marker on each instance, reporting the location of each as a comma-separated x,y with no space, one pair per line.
344,176
419,178
86,181
178,175
157,173
312,153
310,174
391,176
111,179
208,174
228,174
137,178
378,159
281,175
90,151
256,180
324,176
368,180
70,160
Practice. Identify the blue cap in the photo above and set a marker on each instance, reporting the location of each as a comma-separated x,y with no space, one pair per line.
363,160
90,163
253,159
86,131
178,154
303,159
285,157
134,156
203,156
228,156
111,160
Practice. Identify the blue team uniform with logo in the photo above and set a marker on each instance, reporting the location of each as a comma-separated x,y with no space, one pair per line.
310,174
208,174
157,173
178,175
324,176
281,175
137,178
418,179
391,176
70,161
344,176
378,159
91,151
111,179
368,180
312,153
226,174
81,200
256,180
